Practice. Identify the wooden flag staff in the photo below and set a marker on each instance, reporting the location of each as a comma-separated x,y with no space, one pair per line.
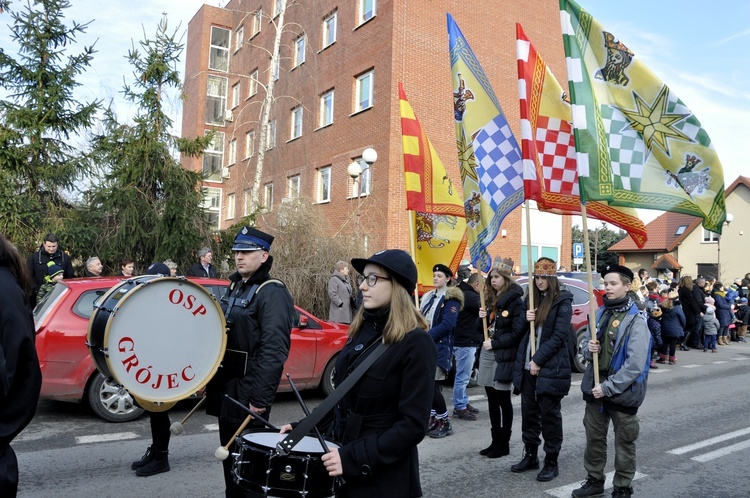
592,302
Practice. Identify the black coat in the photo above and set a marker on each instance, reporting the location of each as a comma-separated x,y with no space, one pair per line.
37,264
197,271
466,331
672,323
382,419
552,356
690,306
261,327
20,376
509,327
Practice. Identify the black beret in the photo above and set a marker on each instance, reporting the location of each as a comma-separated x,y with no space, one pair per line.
444,269
622,270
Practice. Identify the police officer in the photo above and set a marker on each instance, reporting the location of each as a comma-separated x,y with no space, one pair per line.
259,312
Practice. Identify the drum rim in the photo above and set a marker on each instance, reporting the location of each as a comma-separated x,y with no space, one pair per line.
142,285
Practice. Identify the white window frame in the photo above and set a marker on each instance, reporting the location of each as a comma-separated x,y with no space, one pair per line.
257,18
212,204
236,88
214,150
268,196
362,102
232,153
710,237
300,45
239,38
249,144
221,104
271,135
253,83
218,50
324,184
330,25
363,183
364,15
231,206
292,185
326,111
296,122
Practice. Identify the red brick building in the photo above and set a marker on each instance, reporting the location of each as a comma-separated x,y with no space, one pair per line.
336,95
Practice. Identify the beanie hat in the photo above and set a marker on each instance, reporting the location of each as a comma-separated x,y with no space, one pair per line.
53,269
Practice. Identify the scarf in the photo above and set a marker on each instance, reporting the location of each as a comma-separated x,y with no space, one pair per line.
612,306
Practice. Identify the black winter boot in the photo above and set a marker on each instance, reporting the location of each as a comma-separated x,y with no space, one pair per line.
503,445
159,463
529,462
145,459
495,441
550,470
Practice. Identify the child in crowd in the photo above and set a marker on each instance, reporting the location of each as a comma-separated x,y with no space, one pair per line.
654,326
672,328
711,327
743,319
54,275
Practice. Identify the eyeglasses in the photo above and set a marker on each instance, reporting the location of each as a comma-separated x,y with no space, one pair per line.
372,279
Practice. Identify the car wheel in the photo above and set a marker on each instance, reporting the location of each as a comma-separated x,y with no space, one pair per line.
326,383
580,361
111,401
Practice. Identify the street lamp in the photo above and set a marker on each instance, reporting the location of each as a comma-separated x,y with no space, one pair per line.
727,221
355,170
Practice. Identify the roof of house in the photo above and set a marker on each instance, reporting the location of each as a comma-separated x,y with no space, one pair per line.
666,261
664,233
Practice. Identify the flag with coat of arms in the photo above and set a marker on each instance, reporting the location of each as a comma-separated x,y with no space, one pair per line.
637,143
488,153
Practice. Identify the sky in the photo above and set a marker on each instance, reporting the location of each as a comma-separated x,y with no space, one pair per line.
698,48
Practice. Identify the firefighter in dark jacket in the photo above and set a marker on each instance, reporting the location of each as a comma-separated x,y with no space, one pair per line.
543,378
259,312
49,251
20,376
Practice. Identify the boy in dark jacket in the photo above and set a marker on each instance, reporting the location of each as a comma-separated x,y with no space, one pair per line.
654,326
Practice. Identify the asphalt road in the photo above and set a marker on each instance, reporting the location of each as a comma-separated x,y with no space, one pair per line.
694,442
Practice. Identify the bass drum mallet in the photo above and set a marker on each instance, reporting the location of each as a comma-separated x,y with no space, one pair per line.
176,427
222,452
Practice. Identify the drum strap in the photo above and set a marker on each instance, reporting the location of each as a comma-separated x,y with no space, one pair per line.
307,424
250,295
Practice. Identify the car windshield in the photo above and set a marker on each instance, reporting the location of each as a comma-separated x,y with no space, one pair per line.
45,305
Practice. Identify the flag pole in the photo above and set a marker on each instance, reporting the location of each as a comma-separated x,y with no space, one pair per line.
481,300
413,249
590,281
530,287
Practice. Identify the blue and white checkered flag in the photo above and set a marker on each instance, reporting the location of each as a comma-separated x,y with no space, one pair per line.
499,163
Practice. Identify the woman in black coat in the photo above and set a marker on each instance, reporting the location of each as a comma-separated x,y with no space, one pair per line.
693,312
507,324
543,378
380,421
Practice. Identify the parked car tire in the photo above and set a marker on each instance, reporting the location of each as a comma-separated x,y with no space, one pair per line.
326,382
111,401
580,361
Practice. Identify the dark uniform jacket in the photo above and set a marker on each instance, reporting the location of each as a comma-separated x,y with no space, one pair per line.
509,326
260,326
552,355
38,266
197,270
466,331
20,376
380,421
443,326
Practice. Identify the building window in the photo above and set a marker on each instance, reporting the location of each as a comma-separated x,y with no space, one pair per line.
235,95
249,144
239,38
293,187
213,157
212,205
329,29
230,206
367,10
257,16
277,7
232,156
709,236
326,108
253,83
363,98
361,186
296,122
247,203
299,50
216,100
268,196
218,58
274,76
324,184
271,135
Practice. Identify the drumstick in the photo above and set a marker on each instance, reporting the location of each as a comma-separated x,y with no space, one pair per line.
222,452
254,414
307,413
176,427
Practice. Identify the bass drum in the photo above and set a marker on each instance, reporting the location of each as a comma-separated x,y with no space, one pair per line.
301,473
162,338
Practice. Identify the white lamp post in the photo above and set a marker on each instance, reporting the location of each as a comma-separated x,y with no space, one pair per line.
727,221
355,170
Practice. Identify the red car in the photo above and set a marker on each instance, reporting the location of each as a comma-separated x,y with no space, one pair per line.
69,374
580,320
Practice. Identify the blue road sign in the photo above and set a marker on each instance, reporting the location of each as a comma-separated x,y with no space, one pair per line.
578,249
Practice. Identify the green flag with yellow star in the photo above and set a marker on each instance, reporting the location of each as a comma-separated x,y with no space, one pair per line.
637,143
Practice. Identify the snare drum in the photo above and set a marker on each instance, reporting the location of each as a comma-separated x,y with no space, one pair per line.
301,473
162,338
